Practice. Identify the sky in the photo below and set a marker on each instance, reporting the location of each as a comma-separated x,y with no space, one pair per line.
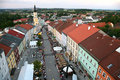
79,4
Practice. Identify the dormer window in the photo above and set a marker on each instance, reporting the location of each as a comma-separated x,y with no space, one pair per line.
119,76
109,66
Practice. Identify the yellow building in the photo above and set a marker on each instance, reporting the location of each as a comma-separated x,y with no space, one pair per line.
11,60
35,17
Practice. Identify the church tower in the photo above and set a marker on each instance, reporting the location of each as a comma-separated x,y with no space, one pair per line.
35,17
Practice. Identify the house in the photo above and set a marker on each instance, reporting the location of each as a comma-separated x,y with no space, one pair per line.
93,50
82,32
4,70
12,40
10,57
19,35
65,33
109,68
60,28
21,20
100,24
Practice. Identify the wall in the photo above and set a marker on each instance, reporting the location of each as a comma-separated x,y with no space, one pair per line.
88,62
100,74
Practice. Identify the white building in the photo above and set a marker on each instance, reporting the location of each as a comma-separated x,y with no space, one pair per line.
26,72
33,44
4,70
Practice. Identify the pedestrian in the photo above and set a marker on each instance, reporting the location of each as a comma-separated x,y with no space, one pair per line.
84,76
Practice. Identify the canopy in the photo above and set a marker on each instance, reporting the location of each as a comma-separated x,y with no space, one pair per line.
74,77
57,48
69,69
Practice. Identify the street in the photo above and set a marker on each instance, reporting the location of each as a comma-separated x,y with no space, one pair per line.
51,69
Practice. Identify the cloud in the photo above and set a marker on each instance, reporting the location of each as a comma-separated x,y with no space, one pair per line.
102,4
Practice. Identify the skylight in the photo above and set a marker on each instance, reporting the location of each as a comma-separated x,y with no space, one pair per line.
118,49
109,66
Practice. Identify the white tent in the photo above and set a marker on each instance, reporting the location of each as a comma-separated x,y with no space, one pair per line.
33,44
69,69
74,77
57,48
26,72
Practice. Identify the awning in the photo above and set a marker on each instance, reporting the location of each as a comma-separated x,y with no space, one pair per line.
74,77
57,48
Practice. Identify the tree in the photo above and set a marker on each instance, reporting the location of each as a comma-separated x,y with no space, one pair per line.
37,65
39,43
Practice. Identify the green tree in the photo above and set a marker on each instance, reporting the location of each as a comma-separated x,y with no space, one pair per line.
39,43
37,65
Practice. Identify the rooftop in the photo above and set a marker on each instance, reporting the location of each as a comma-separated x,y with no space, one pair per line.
82,32
112,64
63,25
16,34
5,48
100,46
69,29
100,24
26,26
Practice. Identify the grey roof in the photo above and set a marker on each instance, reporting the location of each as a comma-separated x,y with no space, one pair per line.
87,20
21,29
8,40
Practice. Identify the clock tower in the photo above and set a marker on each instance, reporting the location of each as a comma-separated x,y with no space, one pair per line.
35,17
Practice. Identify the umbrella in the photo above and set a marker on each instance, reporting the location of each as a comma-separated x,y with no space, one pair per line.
69,69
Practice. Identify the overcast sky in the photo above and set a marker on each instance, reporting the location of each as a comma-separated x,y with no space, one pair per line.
91,4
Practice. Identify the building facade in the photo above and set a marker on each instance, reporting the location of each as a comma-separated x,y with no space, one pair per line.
4,70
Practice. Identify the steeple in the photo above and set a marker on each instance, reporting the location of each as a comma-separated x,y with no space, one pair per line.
35,10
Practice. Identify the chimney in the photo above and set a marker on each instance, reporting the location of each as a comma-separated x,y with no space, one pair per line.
76,25
93,25
89,27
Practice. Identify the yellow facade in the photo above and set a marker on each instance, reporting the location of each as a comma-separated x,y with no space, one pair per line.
73,48
11,61
35,18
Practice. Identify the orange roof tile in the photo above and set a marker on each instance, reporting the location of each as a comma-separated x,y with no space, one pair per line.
69,29
26,26
100,24
81,32
5,48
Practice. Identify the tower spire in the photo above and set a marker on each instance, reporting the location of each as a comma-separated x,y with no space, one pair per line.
35,10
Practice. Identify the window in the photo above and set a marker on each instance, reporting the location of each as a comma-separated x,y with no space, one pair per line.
81,51
91,61
84,54
119,76
94,64
93,72
89,67
98,77
83,60
99,70
103,74
108,78
80,57
87,57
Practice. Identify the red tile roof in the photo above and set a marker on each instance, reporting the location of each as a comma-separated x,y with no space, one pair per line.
62,26
100,24
22,20
69,29
5,48
81,32
26,26
113,59
14,33
100,45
